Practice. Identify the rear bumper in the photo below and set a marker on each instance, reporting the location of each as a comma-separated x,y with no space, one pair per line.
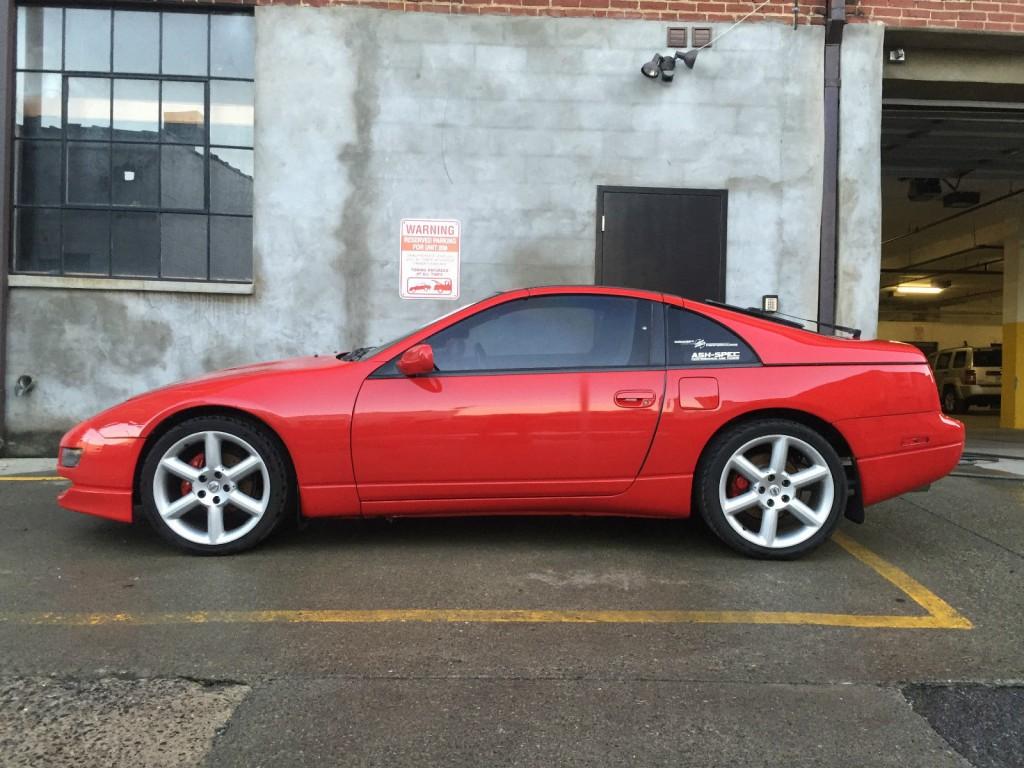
897,454
102,482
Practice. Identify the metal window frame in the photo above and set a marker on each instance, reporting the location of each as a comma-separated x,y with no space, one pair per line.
111,76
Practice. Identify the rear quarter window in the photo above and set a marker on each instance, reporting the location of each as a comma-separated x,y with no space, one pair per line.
695,341
960,359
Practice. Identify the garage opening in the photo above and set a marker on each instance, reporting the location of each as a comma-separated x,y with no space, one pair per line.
670,240
952,196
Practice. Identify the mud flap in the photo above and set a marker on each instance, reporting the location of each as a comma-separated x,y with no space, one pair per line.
855,508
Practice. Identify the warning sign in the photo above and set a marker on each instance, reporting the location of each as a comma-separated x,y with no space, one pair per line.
430,259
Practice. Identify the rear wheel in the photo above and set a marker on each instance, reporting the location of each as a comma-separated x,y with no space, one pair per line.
951,403
215,485
771,489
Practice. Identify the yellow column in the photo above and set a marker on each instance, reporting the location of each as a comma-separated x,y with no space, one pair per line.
1012,413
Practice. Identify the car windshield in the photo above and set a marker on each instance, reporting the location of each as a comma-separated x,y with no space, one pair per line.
360,352
988,358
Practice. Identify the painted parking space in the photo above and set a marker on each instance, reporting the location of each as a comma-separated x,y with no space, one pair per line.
934,612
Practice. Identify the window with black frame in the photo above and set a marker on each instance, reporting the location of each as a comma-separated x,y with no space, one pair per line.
133,144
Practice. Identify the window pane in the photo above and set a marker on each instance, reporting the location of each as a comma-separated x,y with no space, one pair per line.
37,240
88,108
960,360
231,180
86,242
549,332
184,48
37,105
88,173
182,177
136,110
183,112
183,246
231,45
231,113
230,248
37,172
136,175
694,340
87,40
136,244
136,41
39,38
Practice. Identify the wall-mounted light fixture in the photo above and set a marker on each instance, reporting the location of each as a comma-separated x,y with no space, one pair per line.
918,289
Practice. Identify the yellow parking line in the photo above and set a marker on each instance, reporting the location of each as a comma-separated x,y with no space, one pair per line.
28,479
940,615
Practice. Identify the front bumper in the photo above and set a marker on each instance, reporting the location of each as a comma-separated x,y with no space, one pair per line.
102,482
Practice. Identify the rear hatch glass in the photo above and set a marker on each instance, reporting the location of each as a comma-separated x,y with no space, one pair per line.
988,358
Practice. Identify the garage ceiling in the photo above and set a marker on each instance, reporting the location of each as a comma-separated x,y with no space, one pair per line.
952,139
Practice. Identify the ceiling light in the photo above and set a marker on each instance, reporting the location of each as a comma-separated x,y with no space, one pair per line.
909,289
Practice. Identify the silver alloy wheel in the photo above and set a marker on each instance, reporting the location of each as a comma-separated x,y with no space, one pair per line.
784,493
209,490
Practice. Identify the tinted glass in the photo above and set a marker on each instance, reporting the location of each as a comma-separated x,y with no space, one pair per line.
38,105
231,113
182,112
697,341
183,246
230,248
231,45
87,242
960,360
37,240
39,38
547,333
136,110
135,244
182,177
184,48
231,180
87,40
943,361
136,41
135,170
88,173
88,108
37,172
988,358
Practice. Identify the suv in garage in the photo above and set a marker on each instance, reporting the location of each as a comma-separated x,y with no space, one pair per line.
968,376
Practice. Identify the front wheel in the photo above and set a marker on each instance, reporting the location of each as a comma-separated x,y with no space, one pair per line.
215,485
771,489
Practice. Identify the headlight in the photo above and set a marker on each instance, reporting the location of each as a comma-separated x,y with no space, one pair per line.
69,457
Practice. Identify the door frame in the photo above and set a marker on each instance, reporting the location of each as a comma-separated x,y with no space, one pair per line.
722,194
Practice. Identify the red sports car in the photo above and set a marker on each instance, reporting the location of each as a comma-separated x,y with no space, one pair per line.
555,400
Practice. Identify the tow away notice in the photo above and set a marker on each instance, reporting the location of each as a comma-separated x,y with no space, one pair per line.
430,259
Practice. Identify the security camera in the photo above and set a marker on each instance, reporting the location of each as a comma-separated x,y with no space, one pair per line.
668,68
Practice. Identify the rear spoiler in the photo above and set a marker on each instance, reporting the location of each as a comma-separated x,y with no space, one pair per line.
793,322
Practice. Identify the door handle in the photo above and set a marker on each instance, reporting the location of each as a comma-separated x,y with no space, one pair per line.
635,398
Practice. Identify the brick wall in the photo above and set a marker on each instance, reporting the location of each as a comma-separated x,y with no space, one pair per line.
973,15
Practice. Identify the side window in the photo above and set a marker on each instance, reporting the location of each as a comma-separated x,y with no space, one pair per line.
943,361
550,333
697,341
960,359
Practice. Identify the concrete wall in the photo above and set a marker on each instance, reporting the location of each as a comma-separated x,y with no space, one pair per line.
508,124
860,183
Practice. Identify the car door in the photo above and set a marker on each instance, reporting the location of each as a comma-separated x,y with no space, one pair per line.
540,396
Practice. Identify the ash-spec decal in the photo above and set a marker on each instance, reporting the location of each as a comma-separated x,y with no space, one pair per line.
715,357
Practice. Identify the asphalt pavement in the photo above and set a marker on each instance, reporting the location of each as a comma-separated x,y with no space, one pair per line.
517,642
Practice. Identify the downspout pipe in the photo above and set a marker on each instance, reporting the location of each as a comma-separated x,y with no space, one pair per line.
828,252
8,21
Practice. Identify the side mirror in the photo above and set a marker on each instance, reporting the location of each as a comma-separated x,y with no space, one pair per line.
416,360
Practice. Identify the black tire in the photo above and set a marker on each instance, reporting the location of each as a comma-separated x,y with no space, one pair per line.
713,465
270,451
952,403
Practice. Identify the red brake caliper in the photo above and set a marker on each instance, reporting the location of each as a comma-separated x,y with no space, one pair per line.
738,484
198,462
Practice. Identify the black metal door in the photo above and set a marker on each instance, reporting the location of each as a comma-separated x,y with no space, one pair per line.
670,240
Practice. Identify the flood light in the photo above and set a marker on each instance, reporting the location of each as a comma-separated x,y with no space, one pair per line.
652,68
